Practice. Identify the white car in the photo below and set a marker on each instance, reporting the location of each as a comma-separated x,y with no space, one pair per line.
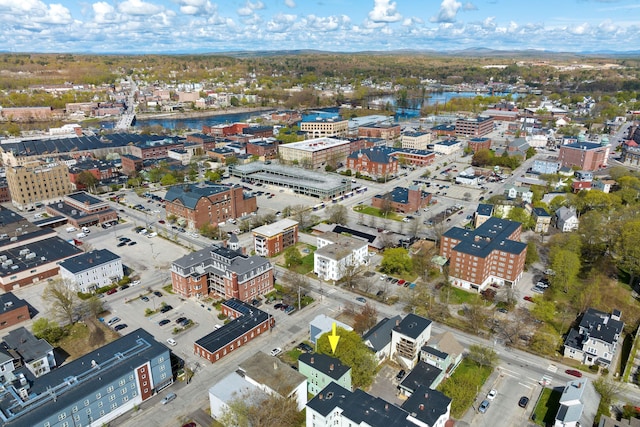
492,394
276,351
113,321
171,341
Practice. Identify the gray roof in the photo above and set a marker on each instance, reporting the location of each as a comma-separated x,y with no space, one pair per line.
427,405
400,194
275,228
46,251
233,386
9,302
272,372
422,375
341,245
435,352
28,346
583,146
84,198
113,360
189,194
412,325
491,235
485,209
88,260
541,212
601,326
328,365
201,261
380,335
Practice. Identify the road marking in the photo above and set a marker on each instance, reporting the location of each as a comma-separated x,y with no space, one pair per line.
526,386
552,368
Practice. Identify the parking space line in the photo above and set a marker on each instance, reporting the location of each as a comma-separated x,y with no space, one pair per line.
526,386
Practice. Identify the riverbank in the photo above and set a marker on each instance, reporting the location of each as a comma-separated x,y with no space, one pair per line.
201,114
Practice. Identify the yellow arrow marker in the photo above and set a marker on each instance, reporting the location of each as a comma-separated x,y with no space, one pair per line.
333,338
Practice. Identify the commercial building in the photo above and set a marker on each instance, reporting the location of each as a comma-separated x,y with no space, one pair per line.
444,130
154,148
265,150
448,146
584,155
402,199
13,311
271,239
336,254
316,153
492,253
37,183
320,370
476,144
385,131
82,210
319,127
221,273
374,162
247,323
476,126
93,389
416,140
293,179
196,205
91,270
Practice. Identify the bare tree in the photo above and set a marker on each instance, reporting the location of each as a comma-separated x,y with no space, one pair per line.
365,319
337,214
257,408
387,206
62,300
516,326
509,295
350,272
415,227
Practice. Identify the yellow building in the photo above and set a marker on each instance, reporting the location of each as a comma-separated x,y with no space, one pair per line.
38,182
321,127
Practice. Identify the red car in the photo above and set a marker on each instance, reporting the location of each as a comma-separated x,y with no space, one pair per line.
112,291
400,282
528,298
573,372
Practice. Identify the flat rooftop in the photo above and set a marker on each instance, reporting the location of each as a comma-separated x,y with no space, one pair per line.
315,144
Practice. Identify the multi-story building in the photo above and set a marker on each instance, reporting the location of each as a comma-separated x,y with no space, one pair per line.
476,126
542,220
374,162
324,127
320,370
222,273
492,253
337,253
416,140
13,311
515,192
263,149
476,144
38,182
482,214
99,169
93,389
550,166
408,336
448,146
403,200
596,339
335,405
91,270
155,149
587,156
82,210
379,130
36,354
271,239
206,203
315,153
247,323
444,130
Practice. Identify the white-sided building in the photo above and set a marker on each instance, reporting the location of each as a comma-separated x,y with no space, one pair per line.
567,219
416,140
407,338
448,146
514,192
336,253
92,270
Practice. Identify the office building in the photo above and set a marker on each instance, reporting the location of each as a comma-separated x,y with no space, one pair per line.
38,183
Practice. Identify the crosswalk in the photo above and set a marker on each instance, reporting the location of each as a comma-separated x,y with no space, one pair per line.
552,368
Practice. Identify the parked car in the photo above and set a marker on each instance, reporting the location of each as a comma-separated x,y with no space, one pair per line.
401,375
121,244
484,406
277,306
290,309
528,298
123,287
168,398
492,394
166,308
276,351
112,291
573,372
120,327
113,321
180,319
164,322
305,347
523,402
157,293
132,243
362,300
171,341
144,298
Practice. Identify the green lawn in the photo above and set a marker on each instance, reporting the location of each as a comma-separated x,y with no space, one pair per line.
370,210
458,296
463,386
547,407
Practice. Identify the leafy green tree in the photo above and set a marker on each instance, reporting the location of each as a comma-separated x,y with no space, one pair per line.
396,261
483,356
233,160
545,340
155,174
86,180
520,215
531,152
352,352
168,179
566,265
292,257
47,330
482,157
532,253
627,249
213,176
209,231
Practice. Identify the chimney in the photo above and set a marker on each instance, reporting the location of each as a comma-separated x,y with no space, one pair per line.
397,322
421,406
331,367
312,360
426,395
321,396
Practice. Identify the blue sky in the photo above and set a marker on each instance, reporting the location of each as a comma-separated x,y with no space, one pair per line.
182,26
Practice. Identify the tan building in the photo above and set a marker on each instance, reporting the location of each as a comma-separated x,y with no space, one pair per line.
37,183
416,140
271,239
315,153
320,127
476,126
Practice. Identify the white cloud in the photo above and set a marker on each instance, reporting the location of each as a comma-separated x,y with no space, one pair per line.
249,8
36,11
103,12
138,8
281,23
580,29
290,3
448,11
196,7
469,6
384,11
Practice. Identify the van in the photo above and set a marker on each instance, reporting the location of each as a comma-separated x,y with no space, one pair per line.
71,229
81,235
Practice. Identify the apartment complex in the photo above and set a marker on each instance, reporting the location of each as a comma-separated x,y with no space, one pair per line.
338,253
206,203
271,239
222,273
586,156
402,199
476,126
320,370
492,253
38,182
315,153
324,127
82,210
91,270
416,140
91,390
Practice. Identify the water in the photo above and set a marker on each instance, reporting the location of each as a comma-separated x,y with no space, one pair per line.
194,123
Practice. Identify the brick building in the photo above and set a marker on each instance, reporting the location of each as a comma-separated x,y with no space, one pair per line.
5,194
263,149
492,253
131,164
205,203
82,209
258,131
315,153
224,130
38,182
271,239
204,141
384,131
373,162
13,310
476,126
404,200
25,114
586,156
155,149
247,323
100,169
444,130
220,272
476,144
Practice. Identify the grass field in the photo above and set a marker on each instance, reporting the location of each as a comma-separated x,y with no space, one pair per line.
85,337
547,407
370,210
463,385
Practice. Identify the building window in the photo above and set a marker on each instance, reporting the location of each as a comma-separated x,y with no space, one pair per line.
110,389
122,382
62,416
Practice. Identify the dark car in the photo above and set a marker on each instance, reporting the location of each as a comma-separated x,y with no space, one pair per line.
305,347
120,327
503,310
180,319
573,372
121,244
483,406
157,293
123,287
144,298
132,243
166,308
523,402
401,375
277,306
283,307
164,322
185,322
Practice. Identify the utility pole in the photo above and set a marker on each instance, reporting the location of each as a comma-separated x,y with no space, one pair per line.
299,304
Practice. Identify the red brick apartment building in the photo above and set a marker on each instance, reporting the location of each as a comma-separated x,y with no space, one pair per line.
271,239
477,126
207,142
476,144
492,253
220,272
247,323
404,200
156,149
13,310
264,150
224,130
586,156
380,131
198,204
130,164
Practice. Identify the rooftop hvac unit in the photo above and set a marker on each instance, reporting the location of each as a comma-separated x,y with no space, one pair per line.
3,258
9,262
24,251
32,255
15,267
